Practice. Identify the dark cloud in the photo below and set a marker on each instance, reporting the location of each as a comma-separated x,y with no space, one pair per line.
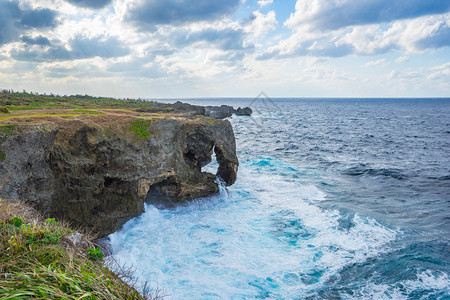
81,48
39,18
440,38
226,39
39,55
94,4
248,20
337,14
40,40
9,18
148,14
15,21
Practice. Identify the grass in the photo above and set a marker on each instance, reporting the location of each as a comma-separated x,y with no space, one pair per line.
89,112
7,129
39,261
42,116
140,127
212,121
15,108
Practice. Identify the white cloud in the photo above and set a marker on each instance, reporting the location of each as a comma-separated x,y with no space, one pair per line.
216,51
402,59
263,3
335,14
262,23
380,62
409,36
441,72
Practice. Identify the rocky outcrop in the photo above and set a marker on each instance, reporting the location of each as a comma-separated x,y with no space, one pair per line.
246,111
214,112
82,175
226,111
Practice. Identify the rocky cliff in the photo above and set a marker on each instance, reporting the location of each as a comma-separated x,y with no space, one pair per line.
98,171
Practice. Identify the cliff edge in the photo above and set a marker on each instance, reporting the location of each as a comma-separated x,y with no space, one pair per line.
97,168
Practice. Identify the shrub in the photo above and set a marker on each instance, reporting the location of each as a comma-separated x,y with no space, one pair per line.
51,221
16,221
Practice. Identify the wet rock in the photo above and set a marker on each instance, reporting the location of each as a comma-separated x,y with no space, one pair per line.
246,111
226,111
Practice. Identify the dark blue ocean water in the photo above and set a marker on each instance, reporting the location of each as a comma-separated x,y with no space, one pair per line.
335,199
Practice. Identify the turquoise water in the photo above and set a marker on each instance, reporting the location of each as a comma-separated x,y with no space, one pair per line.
335,199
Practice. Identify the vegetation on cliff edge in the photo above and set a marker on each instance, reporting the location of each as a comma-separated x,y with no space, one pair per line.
41,259
12,101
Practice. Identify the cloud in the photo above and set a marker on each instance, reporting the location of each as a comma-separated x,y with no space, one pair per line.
409,36
14,21
401,59
77,70
298,45
142,67
80,48
39,40
380,62
228,56
258,23
9,20
83,47
225,39
39,18
148,14
263,3
440,37
335,14
441,72
94,4
416,35
51,53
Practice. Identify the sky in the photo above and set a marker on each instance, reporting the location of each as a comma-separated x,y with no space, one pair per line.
232,48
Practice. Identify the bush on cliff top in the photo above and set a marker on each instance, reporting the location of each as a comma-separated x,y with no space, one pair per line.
38,260
27,100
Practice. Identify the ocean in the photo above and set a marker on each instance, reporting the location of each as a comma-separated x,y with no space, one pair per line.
335,199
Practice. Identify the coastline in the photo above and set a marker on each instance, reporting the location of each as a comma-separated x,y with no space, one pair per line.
92,163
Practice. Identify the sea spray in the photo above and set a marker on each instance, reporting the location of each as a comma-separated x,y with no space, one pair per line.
262,238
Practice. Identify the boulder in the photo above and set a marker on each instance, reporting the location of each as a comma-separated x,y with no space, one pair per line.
246,111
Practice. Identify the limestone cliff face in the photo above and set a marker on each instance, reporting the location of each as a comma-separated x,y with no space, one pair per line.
101,182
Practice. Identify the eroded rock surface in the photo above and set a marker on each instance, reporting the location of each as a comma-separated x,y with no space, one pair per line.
81,174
